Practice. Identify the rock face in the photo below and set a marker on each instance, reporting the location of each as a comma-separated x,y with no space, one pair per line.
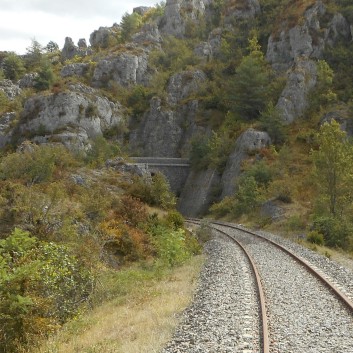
125,69
28,80
293,100
149,37
79,69
70,49
166,131
10,89
240,10
198,192
250,141
178,12
342,116
100,38
306,39
5,128
182,84
71,117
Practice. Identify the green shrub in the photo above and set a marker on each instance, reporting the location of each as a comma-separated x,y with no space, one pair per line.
336,231
36,164
175,220
41,286
315,237
170,245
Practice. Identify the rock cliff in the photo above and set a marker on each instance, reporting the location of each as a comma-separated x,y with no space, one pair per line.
73,117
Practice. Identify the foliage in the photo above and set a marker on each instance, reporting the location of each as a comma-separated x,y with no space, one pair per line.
34,55
199,153
154,191
174,219
178,56
261,172
170,245
139,100
338,57
41,285
272,123
129,25
336,231
36,164
122,240
247,197
51,47
13,67
333,168
248,90
101,150
132,210
45,77
315,237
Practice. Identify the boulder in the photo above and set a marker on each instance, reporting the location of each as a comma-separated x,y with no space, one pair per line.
272,209
343,117
248,142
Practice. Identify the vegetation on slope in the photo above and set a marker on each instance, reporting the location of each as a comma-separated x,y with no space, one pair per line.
66,221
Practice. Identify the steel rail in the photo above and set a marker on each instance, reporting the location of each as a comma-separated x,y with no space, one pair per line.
341,296
263,313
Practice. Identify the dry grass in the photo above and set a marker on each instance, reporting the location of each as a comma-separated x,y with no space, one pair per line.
142,324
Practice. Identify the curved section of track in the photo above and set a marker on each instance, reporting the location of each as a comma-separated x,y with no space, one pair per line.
340,295
262,305
306,311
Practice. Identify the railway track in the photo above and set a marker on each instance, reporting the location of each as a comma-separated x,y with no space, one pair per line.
324,309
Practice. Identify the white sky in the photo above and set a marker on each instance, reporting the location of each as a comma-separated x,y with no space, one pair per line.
46,20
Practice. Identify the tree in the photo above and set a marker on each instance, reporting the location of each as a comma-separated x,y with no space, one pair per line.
271,122
247,197
129,24
249,88
13,67
333,167
51,47
34,55
45,77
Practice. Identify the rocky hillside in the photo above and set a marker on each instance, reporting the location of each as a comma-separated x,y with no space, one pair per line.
232,85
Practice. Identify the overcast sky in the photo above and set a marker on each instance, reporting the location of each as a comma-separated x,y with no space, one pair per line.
46,20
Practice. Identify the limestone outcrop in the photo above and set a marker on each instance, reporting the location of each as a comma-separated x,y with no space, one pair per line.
72,117
79,69
198,192
294,98
165,131
10,89
127,68
306,39
248,142
70,49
